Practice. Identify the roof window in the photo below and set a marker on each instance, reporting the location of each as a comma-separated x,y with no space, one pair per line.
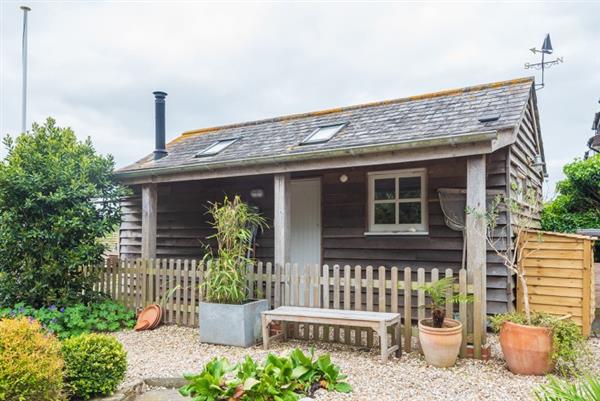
323,134
216,147
489,118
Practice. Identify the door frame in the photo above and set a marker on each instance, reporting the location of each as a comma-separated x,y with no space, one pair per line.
320,189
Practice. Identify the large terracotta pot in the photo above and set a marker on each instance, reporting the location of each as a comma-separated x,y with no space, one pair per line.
440,345
527,349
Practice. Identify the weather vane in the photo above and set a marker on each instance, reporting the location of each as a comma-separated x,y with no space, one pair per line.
546,49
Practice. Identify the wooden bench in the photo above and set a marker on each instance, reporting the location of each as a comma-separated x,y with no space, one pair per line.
378,321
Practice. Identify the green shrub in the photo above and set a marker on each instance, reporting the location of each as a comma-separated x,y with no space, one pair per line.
567,341
280,378
577,203
58,199
95,364
107,315
586,389
31,365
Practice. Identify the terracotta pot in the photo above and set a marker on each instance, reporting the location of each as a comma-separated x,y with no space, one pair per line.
527,349
440,345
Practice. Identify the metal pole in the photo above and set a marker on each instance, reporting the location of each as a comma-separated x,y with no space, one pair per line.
24,61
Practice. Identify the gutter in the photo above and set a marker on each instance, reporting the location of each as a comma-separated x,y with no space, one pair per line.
448,140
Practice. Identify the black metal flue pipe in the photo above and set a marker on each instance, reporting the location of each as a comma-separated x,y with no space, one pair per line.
159,124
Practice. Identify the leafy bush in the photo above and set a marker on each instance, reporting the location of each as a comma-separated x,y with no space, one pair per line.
95,364
235,223
73,320
31,365
577,204
587,389
57,201
567,341
280,378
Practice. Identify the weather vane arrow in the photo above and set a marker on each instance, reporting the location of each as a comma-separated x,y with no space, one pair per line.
546,49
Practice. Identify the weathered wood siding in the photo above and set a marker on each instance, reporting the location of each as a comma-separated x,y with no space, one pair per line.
345,222
521,156
520,172
182,223
183,226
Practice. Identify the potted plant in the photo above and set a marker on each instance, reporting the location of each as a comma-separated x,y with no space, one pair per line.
227,317
440,337
537,346
532,343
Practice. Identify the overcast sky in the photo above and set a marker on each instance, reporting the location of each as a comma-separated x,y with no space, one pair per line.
93,65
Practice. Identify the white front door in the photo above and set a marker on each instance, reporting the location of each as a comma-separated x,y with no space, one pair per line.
305,236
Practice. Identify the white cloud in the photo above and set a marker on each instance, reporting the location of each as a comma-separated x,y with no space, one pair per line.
93,65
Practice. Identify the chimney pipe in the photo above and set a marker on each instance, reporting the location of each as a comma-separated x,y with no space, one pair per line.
159,123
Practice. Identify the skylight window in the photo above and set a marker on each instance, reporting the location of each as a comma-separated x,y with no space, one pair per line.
323,134
216,147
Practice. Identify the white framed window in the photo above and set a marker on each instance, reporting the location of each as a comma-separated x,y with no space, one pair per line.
398,202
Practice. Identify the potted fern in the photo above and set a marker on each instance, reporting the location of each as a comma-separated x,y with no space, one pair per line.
227,316
440,336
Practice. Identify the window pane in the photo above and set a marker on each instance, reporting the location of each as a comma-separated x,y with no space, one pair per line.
409,213
323,134
385,213
216,147
385,189
409,187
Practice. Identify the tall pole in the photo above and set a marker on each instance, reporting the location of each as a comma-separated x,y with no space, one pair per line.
24,62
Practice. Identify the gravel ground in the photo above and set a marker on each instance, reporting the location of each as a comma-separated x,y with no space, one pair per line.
170,351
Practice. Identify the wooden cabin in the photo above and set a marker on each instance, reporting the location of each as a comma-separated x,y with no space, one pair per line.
352,185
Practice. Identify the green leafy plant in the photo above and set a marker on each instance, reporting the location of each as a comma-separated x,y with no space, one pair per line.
278,379
441,292
104,316
234,222
95,364
31,365
577,204
584,389
58,199
568,344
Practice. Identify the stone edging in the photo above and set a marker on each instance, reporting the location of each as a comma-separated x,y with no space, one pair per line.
139,387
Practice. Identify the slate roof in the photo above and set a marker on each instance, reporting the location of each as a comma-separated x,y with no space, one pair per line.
440,114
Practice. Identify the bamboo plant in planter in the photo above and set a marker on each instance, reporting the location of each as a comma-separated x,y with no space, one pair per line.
227,317
440,337
532,343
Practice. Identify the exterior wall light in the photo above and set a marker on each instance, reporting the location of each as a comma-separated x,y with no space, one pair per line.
538,163
257,193
343,178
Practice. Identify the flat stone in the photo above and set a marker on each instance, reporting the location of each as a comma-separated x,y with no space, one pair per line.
161,395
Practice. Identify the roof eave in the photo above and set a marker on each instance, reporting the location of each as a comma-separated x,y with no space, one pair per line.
449,140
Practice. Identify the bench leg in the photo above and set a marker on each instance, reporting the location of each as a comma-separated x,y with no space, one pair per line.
383,341
265,332
284,328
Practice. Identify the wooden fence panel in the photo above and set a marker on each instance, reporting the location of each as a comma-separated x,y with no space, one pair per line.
138,283
559,274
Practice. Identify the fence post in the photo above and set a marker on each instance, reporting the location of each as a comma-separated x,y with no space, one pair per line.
407,309
462,310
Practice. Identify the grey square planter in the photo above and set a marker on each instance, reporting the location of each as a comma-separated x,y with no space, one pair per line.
237,325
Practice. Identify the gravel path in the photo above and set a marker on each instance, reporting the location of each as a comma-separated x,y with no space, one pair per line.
170,351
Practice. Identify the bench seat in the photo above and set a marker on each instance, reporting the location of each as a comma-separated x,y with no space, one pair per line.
377,321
